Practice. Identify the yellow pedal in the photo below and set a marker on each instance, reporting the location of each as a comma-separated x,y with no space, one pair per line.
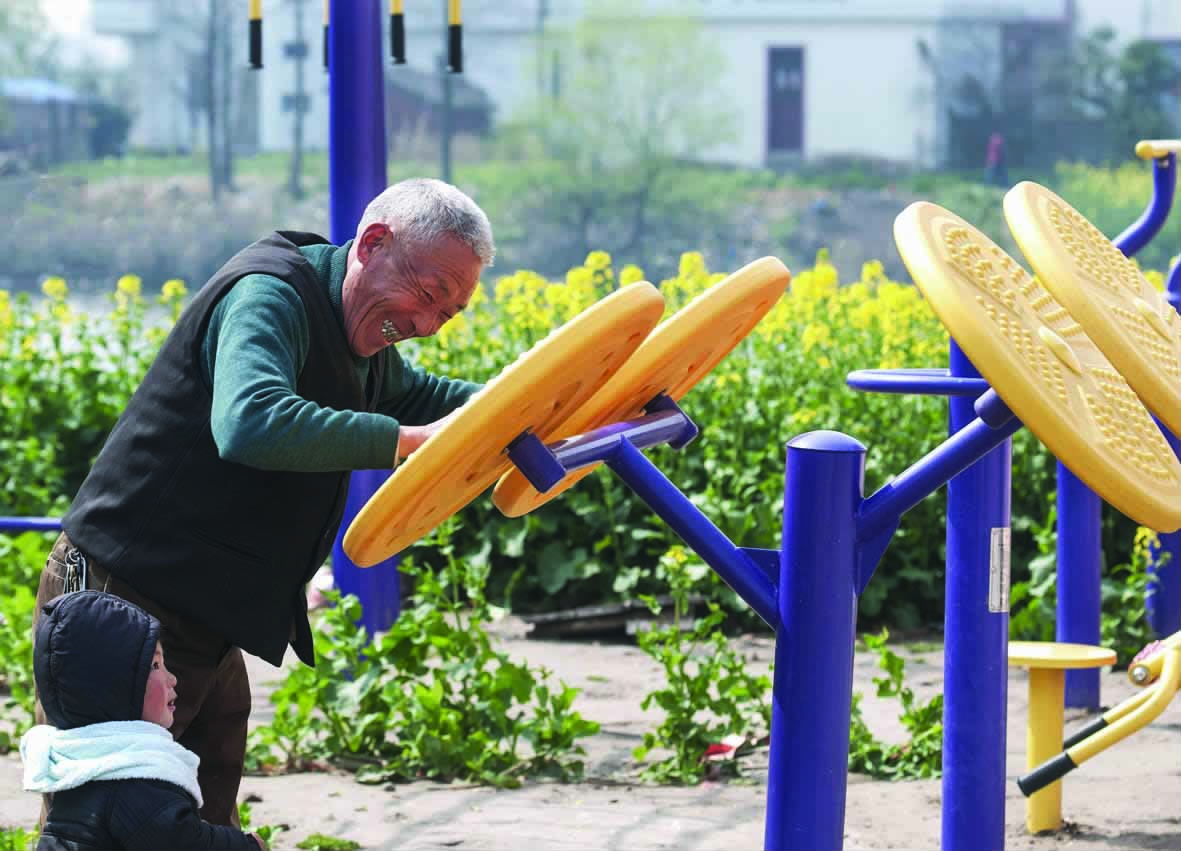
536,393
676,356
1042,364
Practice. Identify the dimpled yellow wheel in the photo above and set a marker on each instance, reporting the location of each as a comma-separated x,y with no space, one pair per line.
1124,314
672,360
1042,364
535,393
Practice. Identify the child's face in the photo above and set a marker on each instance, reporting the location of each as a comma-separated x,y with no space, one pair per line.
160,697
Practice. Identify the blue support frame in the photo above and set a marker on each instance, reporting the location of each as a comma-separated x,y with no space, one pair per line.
356,175
832,539
976,636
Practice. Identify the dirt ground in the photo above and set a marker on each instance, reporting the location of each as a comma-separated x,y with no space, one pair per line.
1125,798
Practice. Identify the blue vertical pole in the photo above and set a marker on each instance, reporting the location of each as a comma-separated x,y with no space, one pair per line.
813,688
357,174
1164,595
976,628
1163,599
1080,551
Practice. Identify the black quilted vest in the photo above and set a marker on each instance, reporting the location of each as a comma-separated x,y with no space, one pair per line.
228,545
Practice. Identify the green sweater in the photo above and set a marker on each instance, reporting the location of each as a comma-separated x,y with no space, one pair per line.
255,348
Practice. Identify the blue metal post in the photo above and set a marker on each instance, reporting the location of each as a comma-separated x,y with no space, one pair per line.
357,174
976,626
1164,596
1080,550
1080,511
1163,599
813,688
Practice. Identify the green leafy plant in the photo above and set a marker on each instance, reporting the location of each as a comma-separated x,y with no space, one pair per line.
21,559
321,842
709,691
922,754
431,697
246,822
18,839
1123,621
1124,588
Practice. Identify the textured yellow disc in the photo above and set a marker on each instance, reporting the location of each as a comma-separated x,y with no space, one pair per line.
535,393
1124,314
1043,365
672,360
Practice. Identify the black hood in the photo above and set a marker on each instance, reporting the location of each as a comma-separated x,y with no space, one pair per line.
92,654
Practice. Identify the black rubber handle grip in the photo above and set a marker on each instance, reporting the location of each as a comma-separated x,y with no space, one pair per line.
398,39
325,47
255,43
1085,732
455,48
1045,774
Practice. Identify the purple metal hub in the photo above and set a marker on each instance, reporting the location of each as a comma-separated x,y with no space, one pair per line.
544,466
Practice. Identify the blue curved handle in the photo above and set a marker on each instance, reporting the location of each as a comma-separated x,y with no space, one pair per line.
1141,231
925,382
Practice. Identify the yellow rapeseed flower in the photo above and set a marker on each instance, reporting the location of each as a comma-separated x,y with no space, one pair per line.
55,288
174,288
130,285
598,260
629,274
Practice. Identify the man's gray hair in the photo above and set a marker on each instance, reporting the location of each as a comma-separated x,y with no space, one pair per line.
424,209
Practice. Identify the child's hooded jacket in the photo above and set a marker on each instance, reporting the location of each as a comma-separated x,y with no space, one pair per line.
116,781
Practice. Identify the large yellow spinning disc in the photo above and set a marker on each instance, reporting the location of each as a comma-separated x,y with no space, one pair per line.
1043,365
1126,317
535,393
672,360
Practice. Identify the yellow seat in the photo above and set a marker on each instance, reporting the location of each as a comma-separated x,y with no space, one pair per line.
1048,662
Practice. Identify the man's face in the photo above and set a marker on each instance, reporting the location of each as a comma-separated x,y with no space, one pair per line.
396,291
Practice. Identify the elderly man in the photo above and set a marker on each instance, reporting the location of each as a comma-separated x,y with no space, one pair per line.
221,488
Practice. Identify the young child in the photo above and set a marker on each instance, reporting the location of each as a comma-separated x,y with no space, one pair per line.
118,780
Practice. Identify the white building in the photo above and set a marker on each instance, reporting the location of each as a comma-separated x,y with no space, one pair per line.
807,78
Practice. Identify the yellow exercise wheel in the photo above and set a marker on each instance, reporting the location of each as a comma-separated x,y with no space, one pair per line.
1128,319
1042,364
535,393
676,356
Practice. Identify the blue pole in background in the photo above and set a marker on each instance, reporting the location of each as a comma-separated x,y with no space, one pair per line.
357,174
813,690
1164,596
1079,569
1080,511
976,627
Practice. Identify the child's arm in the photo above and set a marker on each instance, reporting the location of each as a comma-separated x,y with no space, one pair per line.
152,815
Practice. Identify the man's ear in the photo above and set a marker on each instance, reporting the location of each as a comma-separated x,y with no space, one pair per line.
371,238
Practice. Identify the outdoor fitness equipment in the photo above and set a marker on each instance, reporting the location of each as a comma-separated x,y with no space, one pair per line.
534,399
1117,723
1048,663
1080,510
671,361
533,394
1051,375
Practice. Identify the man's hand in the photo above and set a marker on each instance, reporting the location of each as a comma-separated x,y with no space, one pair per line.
412,437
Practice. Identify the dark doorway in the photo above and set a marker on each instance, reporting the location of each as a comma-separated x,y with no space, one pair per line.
785,101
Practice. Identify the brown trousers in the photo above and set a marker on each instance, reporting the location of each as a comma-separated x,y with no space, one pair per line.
212,691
